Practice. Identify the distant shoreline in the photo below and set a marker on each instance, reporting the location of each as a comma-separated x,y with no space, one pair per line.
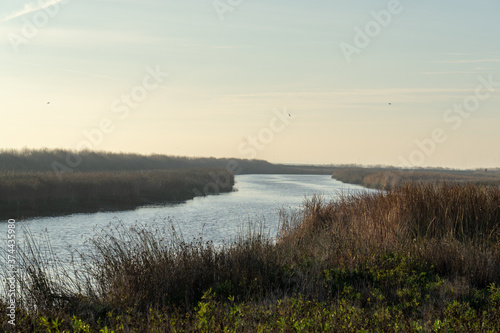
388,177
54,182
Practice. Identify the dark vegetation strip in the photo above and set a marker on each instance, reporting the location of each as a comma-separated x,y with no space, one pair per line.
40,182
419,257
387,177
42,160
28,194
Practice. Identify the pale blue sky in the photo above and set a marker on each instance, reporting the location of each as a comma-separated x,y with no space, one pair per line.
227,76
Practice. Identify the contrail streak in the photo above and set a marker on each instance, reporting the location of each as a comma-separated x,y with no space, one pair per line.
30,8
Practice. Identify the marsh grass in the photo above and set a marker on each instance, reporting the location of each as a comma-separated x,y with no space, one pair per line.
453,227
419,257
27,194
389,177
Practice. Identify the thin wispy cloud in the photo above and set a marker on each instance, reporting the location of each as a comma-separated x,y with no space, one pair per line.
352,92
79,72
477,71
30,8
459,53
472,61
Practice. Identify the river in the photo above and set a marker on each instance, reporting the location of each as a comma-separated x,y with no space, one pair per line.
255,203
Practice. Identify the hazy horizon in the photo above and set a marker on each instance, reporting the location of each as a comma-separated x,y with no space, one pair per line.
401,83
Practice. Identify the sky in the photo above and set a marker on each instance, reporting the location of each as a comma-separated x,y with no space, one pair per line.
402,83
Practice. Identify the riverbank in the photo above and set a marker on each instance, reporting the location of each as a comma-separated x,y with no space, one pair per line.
418,257
45,182
387,177
30,194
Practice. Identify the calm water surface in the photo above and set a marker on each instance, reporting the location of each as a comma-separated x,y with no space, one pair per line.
256,201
